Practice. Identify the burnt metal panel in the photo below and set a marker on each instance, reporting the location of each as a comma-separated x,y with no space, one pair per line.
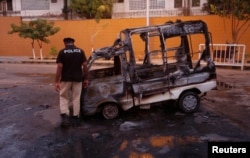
128,84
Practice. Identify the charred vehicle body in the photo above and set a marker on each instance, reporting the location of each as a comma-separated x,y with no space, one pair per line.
169,70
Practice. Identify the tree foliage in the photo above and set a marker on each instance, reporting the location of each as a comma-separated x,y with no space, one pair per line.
238,11
92,9
36,30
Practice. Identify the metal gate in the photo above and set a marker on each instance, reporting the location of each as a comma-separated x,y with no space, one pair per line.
226,54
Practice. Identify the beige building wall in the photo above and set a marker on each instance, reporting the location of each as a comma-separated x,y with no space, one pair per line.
89,34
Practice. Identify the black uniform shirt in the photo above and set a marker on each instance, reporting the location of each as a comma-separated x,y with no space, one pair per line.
72,59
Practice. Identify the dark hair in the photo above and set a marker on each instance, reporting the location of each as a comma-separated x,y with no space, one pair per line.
68,40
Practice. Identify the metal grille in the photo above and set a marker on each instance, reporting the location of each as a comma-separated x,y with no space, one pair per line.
137,4
35,4
141,4
227,54
157,4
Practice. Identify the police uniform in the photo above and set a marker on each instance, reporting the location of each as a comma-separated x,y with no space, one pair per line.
72,59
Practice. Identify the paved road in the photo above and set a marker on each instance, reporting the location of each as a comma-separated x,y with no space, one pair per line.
29,121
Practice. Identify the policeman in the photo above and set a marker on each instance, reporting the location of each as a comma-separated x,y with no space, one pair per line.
71,75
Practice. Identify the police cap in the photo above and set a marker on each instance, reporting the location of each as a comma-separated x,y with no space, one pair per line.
68,40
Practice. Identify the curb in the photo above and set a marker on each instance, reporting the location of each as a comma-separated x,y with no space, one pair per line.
28,62
38,62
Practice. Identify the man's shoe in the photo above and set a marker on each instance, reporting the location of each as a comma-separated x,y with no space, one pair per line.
76,121
65,120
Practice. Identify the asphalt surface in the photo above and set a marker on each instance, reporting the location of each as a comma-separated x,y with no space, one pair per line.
29,120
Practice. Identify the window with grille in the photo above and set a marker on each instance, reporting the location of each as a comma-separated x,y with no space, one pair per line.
137,4
177,3
141,4
195,3
7,5
35,4
157,4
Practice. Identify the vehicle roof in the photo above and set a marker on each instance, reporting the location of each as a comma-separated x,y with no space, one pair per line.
171,28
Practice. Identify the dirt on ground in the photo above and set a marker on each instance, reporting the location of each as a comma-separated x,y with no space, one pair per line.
30,122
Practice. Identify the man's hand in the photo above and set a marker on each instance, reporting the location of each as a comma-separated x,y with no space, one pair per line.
85,83
58,76
57,86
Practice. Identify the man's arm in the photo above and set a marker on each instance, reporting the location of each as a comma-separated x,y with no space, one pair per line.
58,76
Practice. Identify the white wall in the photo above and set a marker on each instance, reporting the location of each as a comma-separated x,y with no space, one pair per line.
16,4
55,9
169,4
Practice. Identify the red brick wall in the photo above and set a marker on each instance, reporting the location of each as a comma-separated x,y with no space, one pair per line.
105,33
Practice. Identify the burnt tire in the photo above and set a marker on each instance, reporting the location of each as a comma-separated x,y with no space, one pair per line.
110,111
189,102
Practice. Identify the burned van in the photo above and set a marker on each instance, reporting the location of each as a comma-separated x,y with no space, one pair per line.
152,64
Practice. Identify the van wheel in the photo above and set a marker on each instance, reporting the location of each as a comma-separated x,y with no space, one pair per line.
189,102
110,111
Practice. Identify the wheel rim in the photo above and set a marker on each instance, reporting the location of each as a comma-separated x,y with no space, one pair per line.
190,102
110,111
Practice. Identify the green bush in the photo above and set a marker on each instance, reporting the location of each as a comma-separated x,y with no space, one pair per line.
53,51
